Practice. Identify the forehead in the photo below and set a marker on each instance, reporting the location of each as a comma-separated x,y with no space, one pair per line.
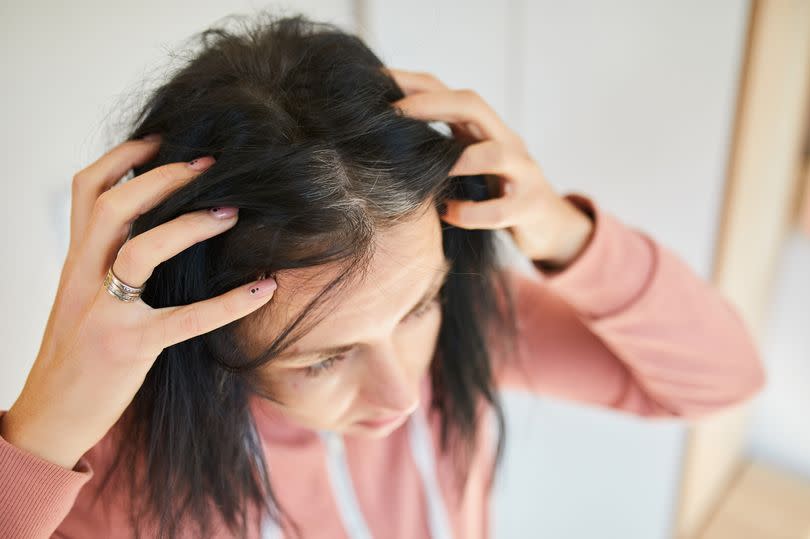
407,258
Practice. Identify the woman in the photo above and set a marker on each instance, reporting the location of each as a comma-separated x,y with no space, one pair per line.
304,329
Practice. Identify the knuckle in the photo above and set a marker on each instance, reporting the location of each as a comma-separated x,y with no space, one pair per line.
130,254
467,94
171,172
166,172
128,258
517,141
468,154
131,144
525,166
518,146
431,78
231,307
80,180
153,243
189,321
107,206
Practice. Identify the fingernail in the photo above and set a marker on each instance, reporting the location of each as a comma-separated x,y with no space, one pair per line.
224,212
263,288
151,137
202,163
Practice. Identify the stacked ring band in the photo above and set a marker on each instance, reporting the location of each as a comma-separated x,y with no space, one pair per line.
121,290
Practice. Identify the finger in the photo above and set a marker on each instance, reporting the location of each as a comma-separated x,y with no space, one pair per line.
418,81
176,324
506,163
117,208
493,214
493,157
91,181
459,106
139,256
467,133
415,81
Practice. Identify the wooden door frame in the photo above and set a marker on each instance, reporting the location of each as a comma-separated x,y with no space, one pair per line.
763,179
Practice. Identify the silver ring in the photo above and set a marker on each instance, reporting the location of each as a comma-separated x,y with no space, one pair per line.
120,289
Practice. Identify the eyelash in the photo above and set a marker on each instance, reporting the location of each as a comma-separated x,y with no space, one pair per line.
328,363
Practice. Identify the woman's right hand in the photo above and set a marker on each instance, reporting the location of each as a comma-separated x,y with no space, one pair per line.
97,349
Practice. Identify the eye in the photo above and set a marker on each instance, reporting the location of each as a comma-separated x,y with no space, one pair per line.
325,365
329,363
423,310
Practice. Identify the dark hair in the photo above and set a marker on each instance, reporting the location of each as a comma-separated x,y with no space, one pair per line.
298,116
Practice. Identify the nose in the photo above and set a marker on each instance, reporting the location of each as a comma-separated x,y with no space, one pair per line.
389,385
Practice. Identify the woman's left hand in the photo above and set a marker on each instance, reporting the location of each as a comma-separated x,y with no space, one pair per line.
545,226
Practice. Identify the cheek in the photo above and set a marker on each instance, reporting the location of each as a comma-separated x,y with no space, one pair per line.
300,391
316,402
417,343
330,399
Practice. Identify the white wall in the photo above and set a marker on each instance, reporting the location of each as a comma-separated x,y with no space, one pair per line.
68,70
630,101
780,431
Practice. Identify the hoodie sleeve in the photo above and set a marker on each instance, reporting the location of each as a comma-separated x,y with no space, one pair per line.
36,495
628,325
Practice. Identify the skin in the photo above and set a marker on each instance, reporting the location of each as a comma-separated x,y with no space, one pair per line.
379,377
96,349
545,226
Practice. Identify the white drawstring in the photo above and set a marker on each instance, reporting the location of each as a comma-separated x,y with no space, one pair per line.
423,453
341,480
346,499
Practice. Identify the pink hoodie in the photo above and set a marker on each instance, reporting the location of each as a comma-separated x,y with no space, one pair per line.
627,325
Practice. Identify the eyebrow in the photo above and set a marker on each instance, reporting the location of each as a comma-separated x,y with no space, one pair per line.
294,356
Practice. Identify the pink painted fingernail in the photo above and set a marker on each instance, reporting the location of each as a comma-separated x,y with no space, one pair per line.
263,288
224,212
202,163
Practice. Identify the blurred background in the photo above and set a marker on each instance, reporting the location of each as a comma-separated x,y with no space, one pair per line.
685,118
